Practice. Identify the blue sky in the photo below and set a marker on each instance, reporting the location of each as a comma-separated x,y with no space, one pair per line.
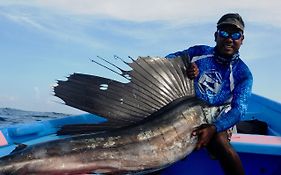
46,40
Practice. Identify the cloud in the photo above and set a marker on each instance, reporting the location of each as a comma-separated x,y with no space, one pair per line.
91,22
40,19
24,19
163,10
36,92
100,25
7,99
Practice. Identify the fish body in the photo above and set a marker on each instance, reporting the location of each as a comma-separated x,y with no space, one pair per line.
155,143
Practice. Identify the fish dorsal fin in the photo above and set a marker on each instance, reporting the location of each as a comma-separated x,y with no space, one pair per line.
154,83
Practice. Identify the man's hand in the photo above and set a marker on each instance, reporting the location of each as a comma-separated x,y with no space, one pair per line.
205,133
192,71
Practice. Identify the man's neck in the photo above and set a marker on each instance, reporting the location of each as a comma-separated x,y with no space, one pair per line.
225,59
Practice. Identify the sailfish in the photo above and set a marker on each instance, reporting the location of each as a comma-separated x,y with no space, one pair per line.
149,123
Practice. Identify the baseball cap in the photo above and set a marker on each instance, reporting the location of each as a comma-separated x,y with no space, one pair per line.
231,19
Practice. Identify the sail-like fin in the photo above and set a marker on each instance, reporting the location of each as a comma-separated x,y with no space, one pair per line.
154,83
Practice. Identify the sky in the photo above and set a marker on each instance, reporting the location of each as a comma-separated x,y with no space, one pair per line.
42,41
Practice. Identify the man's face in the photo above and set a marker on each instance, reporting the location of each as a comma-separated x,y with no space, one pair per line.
226,44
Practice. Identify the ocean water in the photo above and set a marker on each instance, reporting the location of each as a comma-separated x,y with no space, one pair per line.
10,116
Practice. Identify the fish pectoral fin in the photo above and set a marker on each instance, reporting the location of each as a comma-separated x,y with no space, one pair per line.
19,147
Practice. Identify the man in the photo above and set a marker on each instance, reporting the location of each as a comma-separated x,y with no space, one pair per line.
220,78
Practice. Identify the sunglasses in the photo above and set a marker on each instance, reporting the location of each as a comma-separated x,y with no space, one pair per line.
233,36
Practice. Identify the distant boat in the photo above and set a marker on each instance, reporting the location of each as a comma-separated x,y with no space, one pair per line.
260,152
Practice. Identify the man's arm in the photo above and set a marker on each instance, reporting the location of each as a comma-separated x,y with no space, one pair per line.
239,103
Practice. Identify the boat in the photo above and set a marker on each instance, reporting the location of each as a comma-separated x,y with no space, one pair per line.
259,151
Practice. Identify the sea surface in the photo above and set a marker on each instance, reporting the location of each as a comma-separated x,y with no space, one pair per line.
10,116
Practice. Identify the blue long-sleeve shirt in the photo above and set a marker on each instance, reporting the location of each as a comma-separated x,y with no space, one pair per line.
220,81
